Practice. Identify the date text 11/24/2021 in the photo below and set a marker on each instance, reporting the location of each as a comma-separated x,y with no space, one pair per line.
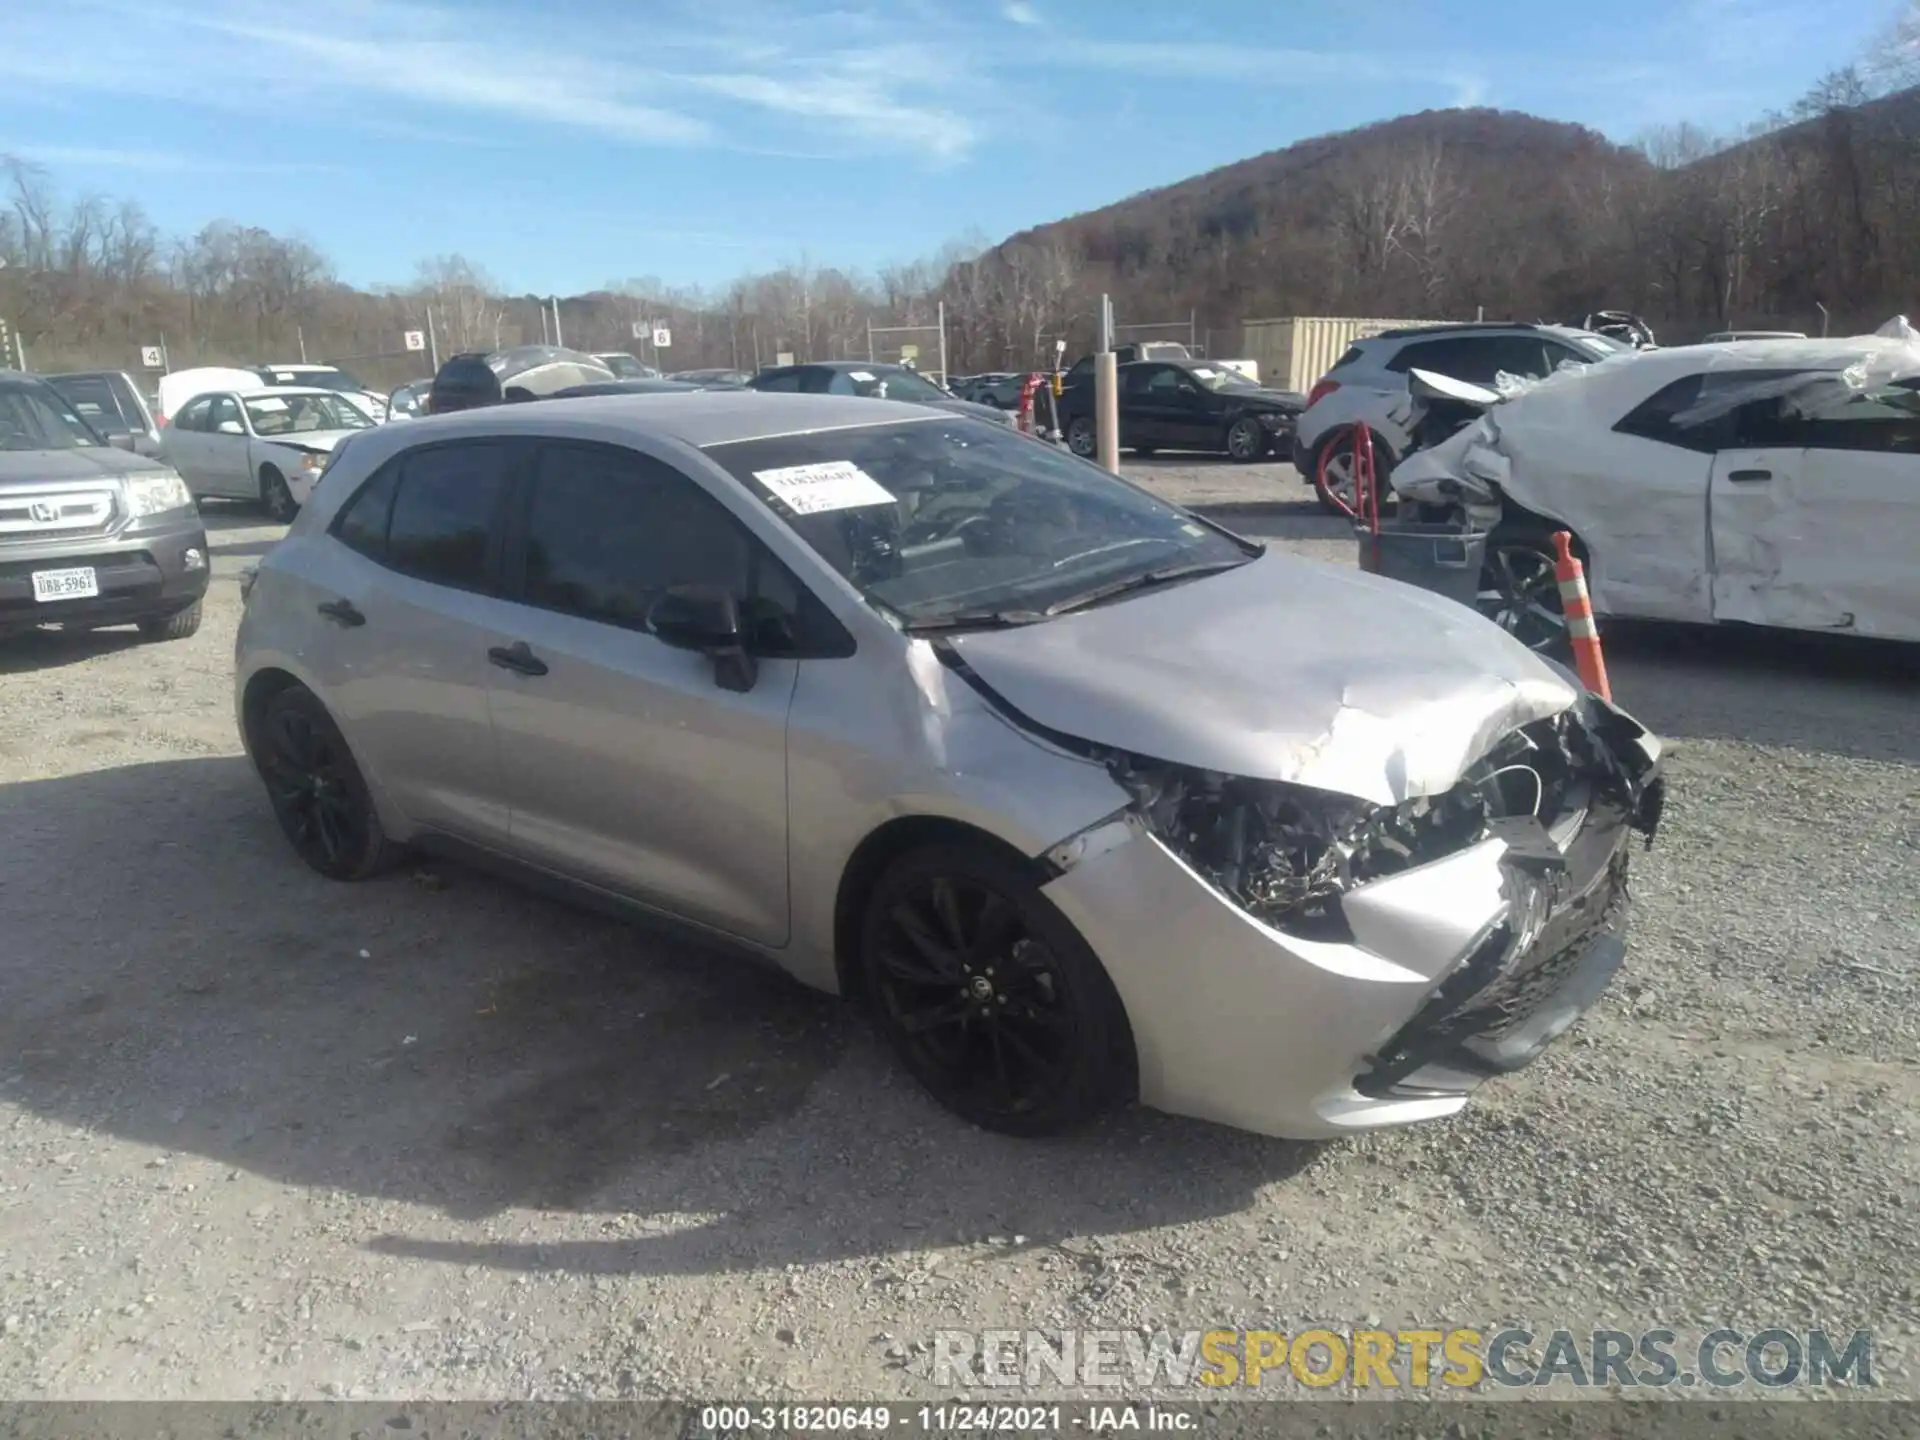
947,1418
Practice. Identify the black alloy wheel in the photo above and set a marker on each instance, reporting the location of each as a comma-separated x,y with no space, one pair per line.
1520,593
316,789
990,997
1082,438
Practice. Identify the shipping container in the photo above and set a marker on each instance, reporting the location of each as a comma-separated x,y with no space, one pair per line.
1295,351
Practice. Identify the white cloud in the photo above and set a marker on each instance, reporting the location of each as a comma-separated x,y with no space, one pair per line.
93,157
1020,12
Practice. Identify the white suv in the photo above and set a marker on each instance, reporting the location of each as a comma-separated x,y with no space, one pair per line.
1369,384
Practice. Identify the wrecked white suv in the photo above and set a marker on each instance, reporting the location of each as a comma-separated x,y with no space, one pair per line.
1088,798
1769,482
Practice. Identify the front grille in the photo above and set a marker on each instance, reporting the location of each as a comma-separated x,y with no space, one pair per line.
52,512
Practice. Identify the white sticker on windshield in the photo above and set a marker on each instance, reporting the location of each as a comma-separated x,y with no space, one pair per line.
832,485
267,404
1204,373
865,377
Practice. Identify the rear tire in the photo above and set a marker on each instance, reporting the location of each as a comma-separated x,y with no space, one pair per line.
989,996
180,625
317,792
275,498
1518,591
1332,476
1082,438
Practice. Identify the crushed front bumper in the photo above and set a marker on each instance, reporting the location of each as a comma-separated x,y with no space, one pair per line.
1452,972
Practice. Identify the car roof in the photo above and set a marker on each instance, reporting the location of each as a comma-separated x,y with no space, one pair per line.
275,392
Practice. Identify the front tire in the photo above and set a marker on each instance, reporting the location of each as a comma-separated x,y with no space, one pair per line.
180,625
1246,441
989,996
275,497
1082,438
1332,477
317,792
1519,591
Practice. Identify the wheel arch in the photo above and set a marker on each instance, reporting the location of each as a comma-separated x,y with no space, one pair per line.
869,860
256,695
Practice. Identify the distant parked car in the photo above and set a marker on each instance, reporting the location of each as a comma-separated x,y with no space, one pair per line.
326,377
268,446
409,402
181,386
998,389
1368,384
872,380
111,403
1721,337
624,366
1186,405
90,534
712,377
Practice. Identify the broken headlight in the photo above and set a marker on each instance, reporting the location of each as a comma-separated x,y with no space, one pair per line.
1286,853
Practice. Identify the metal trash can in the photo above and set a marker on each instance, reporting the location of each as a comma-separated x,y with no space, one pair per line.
1437,557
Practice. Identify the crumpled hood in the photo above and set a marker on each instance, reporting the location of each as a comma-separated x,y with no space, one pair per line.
1284,669
20,467
321,440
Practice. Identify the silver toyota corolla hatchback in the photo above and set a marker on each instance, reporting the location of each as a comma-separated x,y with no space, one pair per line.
1088,798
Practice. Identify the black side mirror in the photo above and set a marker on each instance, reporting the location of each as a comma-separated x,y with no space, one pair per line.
706,618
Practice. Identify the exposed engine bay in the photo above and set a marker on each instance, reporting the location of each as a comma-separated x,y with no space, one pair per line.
1286,853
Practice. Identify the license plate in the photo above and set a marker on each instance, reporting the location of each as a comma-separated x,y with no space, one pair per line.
76,584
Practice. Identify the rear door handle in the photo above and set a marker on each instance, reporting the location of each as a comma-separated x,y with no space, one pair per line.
342,613
518,658
1749,477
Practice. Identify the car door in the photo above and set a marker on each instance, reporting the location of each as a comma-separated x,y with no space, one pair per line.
183,444
628,765
409,609
1145,404
1816,531
224,444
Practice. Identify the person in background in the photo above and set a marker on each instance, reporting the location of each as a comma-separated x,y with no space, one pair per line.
465,382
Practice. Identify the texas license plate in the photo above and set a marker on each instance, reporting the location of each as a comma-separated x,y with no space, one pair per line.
76,584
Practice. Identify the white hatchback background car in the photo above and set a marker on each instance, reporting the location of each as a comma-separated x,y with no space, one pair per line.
1759,482
1088,798
268,445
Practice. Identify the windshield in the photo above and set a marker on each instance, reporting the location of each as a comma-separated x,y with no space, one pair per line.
947,519
1603,345
624,366
93,398
886,385
1220,377
296,414
34,417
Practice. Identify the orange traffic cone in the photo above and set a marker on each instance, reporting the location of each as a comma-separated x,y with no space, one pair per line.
1578,610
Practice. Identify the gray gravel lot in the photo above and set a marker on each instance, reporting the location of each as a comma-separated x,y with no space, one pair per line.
265,1136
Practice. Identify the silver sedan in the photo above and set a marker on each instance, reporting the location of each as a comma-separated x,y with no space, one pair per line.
1087,798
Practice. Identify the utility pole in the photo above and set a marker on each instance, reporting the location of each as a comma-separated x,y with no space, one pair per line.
556,321
943,341
300,333
1106,393
433,342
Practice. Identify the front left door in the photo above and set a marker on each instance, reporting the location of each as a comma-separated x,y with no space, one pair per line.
1818,535
226,450
626,763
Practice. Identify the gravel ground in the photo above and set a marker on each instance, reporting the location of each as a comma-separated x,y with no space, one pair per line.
263,1136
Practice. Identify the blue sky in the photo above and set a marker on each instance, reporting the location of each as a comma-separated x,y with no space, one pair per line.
561,144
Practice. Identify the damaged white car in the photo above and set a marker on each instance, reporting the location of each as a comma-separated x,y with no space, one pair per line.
1770,483
1088,798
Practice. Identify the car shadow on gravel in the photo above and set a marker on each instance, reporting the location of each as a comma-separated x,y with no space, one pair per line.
441,1039
1834,694
51,649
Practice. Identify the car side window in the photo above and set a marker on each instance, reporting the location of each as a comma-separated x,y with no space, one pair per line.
445,507
607,531
194,417
362,525
1753,424
225,409
784,380
1558,355
1878,422
829,382
1459,359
